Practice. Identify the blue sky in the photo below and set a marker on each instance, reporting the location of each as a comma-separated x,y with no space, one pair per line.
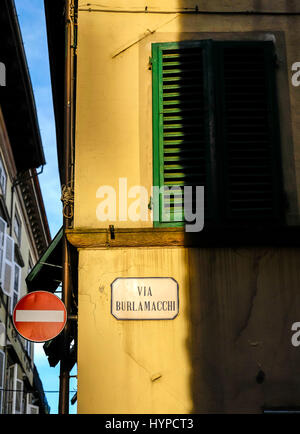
33,27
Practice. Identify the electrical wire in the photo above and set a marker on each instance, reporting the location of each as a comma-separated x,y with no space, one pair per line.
194,10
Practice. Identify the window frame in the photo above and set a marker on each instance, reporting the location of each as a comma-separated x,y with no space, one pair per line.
15,292
19,397
18,233
216,211
3,252
10,263
28,348
30,263
3,172
31,408
12,373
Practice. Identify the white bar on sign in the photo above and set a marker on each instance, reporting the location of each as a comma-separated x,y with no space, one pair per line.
39,316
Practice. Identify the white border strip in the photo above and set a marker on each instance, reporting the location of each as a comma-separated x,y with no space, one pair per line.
39,316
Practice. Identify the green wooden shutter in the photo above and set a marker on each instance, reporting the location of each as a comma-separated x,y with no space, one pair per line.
247,131
181,127
215,124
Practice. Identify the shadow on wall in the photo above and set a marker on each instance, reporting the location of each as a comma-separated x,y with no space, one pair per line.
243,301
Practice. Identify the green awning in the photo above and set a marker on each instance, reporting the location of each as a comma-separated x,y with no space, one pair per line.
46,275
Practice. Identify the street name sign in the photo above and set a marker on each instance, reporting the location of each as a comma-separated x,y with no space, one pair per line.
144,298
39,316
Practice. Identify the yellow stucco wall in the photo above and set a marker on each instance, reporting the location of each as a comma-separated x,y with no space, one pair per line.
127,356
236,307
114,94
208,357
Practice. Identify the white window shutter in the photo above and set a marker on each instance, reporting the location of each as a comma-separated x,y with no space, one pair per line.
19,397
2,178
28,401
9,266
12,386
16,287
2,335
15,393
3,226
32,409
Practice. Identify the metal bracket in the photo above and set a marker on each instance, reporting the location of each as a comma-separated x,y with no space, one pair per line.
112,231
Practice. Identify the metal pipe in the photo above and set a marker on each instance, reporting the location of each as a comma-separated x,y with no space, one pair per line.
63,407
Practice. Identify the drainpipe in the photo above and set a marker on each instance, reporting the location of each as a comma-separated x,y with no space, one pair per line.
63,407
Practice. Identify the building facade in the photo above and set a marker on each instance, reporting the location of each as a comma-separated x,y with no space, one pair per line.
176,94
24,231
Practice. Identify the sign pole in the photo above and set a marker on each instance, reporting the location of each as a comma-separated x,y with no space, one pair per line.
64,387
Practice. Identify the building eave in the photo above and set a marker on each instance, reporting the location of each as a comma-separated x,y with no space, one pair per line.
17,98
55,22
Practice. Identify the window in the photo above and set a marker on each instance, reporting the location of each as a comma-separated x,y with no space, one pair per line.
28,347
2,249
8,274
14,403
16,287
30,408
11,393
2,335
19,397
17,227
30,263
2,178
215,125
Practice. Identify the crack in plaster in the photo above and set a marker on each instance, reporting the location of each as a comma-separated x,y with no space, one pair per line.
254,285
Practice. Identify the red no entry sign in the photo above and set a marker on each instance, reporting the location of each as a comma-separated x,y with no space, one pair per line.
39,316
